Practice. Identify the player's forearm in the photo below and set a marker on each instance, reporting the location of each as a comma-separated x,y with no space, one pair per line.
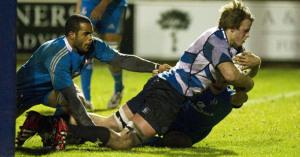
232,76
134,63
242,82
76,108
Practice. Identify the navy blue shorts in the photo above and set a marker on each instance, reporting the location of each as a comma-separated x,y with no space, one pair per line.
27,99
158,103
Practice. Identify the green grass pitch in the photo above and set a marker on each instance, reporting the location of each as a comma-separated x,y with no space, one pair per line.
267,125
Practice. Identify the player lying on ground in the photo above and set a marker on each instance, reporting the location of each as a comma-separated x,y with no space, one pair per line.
47,77
207,60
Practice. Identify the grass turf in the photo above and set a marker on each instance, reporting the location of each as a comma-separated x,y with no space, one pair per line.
267,125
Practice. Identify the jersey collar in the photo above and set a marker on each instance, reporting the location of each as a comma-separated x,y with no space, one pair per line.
67,44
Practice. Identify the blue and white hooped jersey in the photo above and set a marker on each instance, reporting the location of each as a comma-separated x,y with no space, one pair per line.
196,69
54,64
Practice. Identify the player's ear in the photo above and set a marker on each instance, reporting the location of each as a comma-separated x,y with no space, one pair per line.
72,35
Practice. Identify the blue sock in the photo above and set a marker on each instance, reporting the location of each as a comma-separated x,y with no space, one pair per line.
86,75
118,81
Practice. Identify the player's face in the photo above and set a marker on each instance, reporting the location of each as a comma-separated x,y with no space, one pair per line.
83,39
239,36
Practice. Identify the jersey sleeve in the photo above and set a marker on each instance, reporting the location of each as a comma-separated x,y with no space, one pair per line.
60,71
102,51
216,50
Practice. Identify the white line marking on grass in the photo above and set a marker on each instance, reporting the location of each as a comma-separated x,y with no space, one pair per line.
272,98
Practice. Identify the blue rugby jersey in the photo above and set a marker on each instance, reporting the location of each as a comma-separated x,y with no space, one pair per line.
54,64
196,69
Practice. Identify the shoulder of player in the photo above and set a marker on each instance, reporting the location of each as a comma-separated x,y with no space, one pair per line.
218,39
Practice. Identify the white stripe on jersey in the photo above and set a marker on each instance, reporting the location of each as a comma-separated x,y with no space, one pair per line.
180,82
55,60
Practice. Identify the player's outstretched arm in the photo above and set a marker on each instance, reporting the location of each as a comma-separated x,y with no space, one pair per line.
76,107
137,64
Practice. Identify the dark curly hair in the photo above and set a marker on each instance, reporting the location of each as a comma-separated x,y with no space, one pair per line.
73,23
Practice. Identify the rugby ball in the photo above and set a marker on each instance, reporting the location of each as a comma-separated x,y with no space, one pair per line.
241,68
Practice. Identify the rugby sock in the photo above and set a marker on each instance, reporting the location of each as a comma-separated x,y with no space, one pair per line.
86,75
118,81
90,133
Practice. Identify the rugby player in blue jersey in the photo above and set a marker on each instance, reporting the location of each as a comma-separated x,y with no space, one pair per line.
107,17
46,78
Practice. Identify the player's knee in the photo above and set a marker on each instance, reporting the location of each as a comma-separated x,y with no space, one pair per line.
127,138
121,119
175,139
120,141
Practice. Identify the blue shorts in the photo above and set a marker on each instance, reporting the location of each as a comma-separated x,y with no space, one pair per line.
111,21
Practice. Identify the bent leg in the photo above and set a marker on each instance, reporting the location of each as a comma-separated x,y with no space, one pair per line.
137,132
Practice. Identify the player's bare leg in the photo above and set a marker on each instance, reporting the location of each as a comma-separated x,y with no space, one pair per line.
116,122
136,132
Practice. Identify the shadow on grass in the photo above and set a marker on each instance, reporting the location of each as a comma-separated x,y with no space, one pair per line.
34,151
170,152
